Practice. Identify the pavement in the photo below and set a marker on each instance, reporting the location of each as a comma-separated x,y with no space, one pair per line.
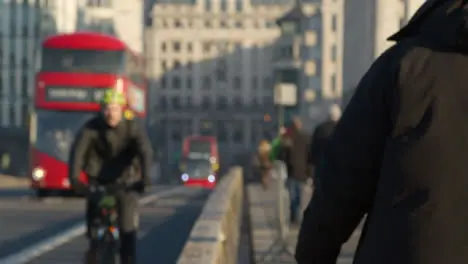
268,247
7,181
51,230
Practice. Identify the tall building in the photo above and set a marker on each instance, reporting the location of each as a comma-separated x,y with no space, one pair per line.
19,33
368,25
121,18
323,57
312,47
211,62
25,23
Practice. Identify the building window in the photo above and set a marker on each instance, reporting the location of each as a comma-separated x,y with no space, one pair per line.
289,28
177,23
267,133
2,87
188,83
208,5
206,103
237,83
208,24
189,102
206,83
99,3
253,133
175,102
189,47
254,83
270,24
237,102
206,47
268,101
254,103
223,24
333,84
12,59
221,130
221,71
176,46
24,64
164,65
177,65
334,51
267,84
222,103
164,46
334,22
163,83
239,5
176,83
25,114
189,65
286,52
237,135
24,84
24,30
224,6
176,134
163,103
238,24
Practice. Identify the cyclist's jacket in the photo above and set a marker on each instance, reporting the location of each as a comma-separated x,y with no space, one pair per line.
107,155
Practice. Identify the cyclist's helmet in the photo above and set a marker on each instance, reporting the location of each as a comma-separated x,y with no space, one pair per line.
111,96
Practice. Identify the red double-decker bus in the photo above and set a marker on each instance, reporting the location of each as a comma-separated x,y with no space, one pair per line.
76,69
200,153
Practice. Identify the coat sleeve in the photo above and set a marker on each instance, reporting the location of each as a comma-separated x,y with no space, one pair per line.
348,173
311,160
78,154
144,151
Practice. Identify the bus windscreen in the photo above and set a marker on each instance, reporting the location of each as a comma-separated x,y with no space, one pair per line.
82,61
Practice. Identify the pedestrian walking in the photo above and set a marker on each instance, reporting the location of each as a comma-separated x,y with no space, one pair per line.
295,151
399,153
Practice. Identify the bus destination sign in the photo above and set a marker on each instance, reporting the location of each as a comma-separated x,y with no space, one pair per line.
73,94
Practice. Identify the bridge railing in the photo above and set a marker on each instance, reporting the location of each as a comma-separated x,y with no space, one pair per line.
215,236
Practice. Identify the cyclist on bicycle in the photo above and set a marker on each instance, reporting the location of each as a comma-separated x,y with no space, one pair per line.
113,150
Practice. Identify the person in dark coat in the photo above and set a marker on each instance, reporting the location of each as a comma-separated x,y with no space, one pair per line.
296,144
322,135
399,153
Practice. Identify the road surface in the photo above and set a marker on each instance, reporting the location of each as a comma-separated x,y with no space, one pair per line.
165,225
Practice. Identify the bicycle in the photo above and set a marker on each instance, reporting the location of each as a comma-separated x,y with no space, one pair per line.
105,225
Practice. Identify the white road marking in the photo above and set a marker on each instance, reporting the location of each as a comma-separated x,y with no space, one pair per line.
53,242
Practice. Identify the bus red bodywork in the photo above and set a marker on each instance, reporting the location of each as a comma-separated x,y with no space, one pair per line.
199,148
76,69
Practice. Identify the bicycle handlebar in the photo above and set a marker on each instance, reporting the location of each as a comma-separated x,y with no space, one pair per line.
110,188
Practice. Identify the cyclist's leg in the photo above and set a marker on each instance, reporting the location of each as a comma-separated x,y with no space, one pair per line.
129,222
90,257
91,253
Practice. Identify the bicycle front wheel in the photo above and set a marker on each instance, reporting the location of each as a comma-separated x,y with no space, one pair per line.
108,251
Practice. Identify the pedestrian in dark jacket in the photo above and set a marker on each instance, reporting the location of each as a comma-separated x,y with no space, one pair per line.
322,135
296,144
399,153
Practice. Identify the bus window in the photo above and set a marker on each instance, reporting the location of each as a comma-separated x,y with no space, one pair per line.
134,69
82,61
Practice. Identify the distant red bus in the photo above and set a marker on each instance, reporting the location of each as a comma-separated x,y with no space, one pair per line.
200,150
198,173
76,69
196,147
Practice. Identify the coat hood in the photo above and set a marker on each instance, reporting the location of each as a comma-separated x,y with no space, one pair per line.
442,21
